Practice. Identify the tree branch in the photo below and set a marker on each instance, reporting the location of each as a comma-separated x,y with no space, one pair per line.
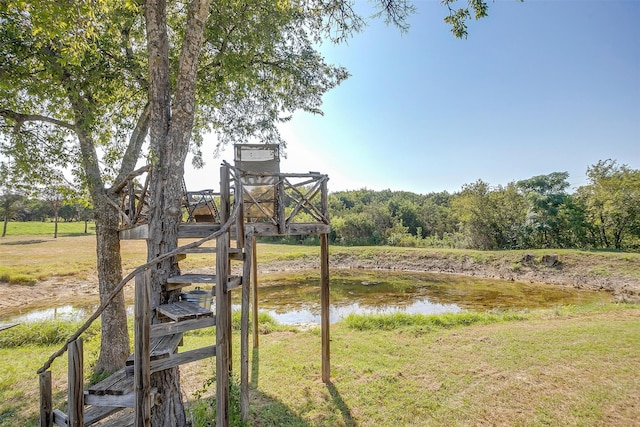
20,118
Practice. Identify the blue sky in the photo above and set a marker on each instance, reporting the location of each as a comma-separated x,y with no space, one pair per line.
538,87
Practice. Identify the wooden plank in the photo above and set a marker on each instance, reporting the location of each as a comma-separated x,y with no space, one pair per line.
194,230
159,348
143,350
294,229
116,384
183,310
76,383
139,232
167,328
46,397
177,282
188,279
182,358
127,400
324,307
60,418
234,282
93,414
199,250
125,419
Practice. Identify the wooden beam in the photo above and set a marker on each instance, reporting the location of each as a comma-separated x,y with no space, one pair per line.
142,357
46,405
254,291
324,307
222,338
76,383
244,328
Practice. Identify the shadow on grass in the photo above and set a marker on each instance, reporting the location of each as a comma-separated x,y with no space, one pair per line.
24,242
16,414
341,405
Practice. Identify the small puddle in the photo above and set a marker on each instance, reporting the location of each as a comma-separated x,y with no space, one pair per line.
294,297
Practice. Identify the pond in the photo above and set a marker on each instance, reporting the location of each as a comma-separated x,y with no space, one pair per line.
294,297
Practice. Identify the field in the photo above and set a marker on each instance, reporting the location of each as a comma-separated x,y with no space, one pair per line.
564,366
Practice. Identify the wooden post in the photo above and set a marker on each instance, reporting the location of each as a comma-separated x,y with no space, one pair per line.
222,331
142,372
244,327
76,380
324,306
324,200
280,202
46,405
254,291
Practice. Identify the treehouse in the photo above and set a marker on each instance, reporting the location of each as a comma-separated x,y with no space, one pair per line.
254,199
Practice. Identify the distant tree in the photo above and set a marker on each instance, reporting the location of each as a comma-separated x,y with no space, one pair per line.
612,203
490,218
10,199
436,215
546,195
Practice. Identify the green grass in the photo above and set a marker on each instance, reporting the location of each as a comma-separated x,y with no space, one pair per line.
47,333
15,228
389,322
573,365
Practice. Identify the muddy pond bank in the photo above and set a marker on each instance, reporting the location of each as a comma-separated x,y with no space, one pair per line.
618,274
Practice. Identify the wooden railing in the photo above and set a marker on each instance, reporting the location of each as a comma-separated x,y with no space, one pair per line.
286,199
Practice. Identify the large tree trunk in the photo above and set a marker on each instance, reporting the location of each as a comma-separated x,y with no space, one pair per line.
114,341
114,345
170,132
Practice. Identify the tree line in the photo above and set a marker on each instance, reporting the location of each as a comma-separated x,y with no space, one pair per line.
538,212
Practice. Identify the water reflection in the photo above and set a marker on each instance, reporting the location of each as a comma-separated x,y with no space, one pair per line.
294,297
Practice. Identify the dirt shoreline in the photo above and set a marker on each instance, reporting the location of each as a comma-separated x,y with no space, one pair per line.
56,291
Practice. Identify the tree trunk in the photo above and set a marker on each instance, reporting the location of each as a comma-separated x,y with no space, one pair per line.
55,226
170,132
4,226
114,341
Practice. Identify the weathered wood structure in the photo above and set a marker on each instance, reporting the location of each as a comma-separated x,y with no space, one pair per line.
255,199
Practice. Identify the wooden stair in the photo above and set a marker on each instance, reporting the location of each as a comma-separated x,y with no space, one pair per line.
128,392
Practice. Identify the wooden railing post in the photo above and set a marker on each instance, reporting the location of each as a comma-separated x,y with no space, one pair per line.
280,198
254,291
324,307
46,405
324,200
244,327
222,331
76,384
142,371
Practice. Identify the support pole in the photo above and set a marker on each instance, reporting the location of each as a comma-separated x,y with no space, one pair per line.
222,308
46,405
142,370
244,327
222,332
324,306
254,291
76,380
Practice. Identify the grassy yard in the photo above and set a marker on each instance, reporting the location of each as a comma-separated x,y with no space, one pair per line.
568,366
